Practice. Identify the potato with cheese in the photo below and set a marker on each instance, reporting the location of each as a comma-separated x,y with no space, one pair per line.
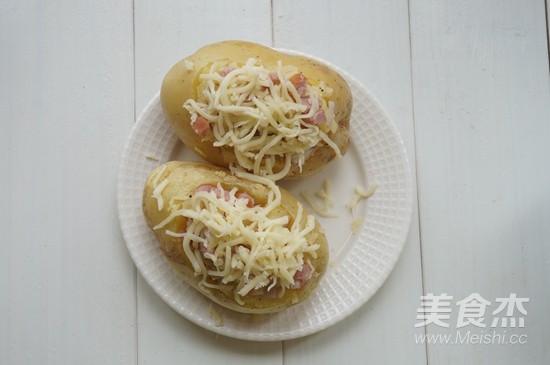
243,242
271,113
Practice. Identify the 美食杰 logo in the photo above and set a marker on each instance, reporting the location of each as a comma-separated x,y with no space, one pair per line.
475,312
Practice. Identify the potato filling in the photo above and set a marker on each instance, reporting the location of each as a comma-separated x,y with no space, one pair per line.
265,114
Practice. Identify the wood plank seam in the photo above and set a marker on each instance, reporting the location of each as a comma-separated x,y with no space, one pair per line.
416,171
136,325
547,13
272,23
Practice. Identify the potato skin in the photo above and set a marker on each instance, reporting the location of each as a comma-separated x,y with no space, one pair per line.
184,177
179,86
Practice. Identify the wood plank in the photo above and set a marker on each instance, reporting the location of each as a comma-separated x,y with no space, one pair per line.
370,40
482,106
166,32
67,103
166,337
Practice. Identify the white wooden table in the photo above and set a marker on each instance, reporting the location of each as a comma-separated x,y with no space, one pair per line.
467,84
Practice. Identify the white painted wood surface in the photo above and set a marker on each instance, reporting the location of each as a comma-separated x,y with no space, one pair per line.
482,117
66,90
467,84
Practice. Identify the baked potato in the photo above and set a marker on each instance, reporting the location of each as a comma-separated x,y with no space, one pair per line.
271,113
239,240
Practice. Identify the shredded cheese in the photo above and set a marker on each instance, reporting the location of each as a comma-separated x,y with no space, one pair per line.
324,194
239,249
356,225
157,194
151,157
200,152
361,194
263,115
158,189
215,315
188,65
323,208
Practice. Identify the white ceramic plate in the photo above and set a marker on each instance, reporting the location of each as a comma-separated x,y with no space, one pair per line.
360,263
